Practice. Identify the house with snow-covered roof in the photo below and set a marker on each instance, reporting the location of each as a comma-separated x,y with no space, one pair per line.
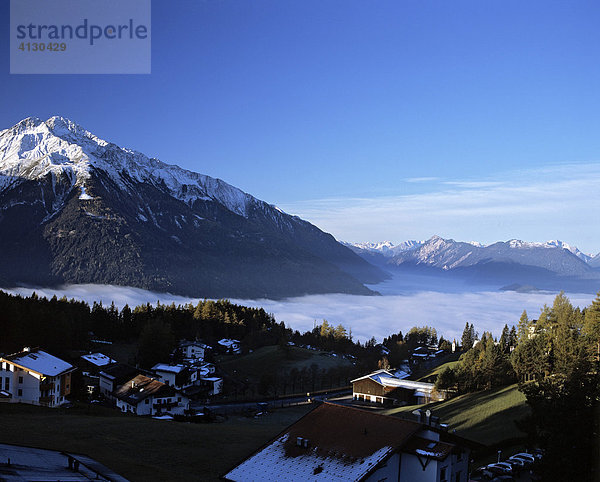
340,443
193,351
229,345
383,386
36,377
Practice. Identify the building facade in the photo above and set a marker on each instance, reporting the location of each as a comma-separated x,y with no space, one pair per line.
36,377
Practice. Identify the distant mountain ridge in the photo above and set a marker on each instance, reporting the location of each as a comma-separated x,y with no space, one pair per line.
77,209
513,261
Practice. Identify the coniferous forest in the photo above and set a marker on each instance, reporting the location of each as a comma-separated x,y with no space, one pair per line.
554,358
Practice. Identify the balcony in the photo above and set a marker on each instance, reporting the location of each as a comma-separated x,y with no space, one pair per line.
165,406
45,386
47,401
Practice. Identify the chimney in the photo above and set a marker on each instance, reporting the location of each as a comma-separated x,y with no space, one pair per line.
299,441
428,417
305,443
26,348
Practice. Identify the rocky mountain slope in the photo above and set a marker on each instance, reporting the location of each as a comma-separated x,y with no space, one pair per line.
77,209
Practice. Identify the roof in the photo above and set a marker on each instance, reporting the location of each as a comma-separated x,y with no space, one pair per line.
344,443
163,367
119,372
98,359
387,379
228,342
185,343
39,361
28,463
429,448
142,387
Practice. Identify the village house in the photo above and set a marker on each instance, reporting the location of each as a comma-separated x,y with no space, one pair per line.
36,377
384,387
91,365
113,376
193,351
335,442
229,346
177,376
145,396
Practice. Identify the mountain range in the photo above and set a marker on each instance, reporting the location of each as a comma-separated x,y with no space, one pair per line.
77,209
512,264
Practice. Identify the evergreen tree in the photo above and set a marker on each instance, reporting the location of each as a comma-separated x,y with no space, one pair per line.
591,327
512,338
523,327
468,337
505,339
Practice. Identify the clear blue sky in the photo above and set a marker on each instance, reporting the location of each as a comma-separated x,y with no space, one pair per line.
355,102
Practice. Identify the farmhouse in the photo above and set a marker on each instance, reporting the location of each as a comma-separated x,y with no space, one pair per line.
36,377
338,443
145,396
382,386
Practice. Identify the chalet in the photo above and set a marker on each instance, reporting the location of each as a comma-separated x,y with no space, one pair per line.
36,377
93,363
384,387
339,443
114,376
174,375
145,396
192,351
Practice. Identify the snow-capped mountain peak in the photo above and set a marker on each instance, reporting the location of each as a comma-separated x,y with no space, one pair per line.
33,148
75,208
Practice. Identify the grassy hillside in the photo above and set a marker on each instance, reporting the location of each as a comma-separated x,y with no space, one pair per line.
431,376
487,417
140,448
269,358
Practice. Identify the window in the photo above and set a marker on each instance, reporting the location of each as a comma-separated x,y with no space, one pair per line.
20,379
7,383
457,478
443,474
20,392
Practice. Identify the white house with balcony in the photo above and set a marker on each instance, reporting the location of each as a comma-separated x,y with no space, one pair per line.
36,377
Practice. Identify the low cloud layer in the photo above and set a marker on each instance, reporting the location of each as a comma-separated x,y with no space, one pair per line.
366,316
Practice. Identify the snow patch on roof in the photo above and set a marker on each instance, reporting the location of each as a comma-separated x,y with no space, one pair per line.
272,463
98,359
41,362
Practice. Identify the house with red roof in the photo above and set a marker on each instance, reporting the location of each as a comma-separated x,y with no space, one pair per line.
340,443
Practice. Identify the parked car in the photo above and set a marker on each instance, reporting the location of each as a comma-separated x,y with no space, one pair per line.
517,463
501,468
482,473
525,455
522,460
